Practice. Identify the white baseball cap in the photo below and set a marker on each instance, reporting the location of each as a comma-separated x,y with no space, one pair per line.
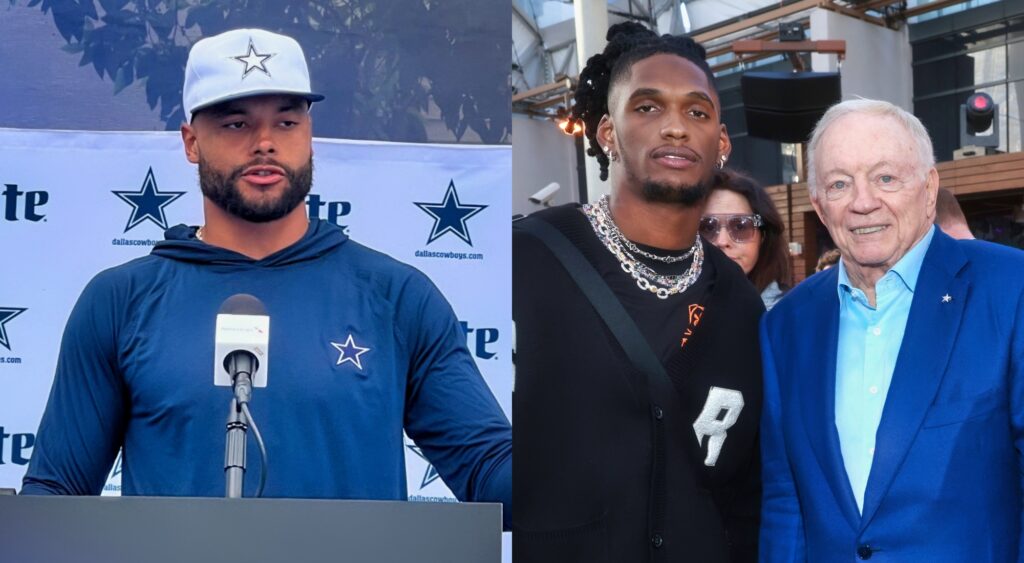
241,63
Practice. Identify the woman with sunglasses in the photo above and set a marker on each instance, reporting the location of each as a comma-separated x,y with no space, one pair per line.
742,221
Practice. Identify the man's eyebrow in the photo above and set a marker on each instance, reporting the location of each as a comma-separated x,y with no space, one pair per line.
224,110
701,95
645,92
291,105
884,163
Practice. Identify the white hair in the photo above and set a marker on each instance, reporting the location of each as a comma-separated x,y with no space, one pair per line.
879,108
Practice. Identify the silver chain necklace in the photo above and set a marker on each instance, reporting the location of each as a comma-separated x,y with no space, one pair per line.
621,239
646,278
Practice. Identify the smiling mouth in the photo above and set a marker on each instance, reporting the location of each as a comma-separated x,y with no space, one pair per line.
869,230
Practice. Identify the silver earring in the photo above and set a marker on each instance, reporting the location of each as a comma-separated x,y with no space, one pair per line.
612,155
721,161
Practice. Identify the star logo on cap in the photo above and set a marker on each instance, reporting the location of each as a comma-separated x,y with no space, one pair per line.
6,314
450,215
254,60
148,203
350,352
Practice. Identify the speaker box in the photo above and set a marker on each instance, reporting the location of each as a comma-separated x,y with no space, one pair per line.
785,106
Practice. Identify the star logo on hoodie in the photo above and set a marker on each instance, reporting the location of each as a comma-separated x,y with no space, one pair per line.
254,61
350,352
148,203
450,215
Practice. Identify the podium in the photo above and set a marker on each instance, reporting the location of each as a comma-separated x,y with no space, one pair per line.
199,530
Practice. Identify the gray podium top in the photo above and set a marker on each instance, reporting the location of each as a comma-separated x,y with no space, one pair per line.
198,530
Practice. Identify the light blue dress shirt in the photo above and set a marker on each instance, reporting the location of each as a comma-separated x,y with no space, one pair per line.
869,343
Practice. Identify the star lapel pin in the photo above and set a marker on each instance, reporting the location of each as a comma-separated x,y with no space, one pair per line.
947,298
350,352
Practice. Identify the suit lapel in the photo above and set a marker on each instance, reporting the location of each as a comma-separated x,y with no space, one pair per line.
924,353
818,403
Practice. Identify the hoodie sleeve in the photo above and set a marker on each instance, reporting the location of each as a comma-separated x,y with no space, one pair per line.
450,412
83,424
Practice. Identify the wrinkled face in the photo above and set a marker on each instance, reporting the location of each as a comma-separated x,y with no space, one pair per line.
727,202
254,155
873,194
664,123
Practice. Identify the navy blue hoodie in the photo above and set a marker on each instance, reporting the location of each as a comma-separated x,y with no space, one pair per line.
136,370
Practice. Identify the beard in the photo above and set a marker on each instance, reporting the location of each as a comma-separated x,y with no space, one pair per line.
222,190
687,195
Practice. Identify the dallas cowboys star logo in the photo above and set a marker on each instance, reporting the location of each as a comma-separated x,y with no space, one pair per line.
450,215
117,465
431,474
254,61
350,352
148,203
6,314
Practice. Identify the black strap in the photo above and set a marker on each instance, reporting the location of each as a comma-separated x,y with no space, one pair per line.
599,294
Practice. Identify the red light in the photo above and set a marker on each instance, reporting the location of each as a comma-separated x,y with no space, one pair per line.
980,103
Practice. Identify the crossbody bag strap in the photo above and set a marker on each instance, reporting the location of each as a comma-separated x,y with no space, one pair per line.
600,296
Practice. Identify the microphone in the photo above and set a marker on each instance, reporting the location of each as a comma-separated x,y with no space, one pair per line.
242,342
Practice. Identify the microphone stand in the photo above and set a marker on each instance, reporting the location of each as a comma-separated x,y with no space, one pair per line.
234,451
241,366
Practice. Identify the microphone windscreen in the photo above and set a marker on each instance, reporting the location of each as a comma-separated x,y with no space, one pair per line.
242,304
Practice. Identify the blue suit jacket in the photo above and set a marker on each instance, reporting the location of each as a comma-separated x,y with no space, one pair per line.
946,480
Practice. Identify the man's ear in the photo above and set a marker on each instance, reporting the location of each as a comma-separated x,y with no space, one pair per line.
724,143
817,207
931,190
190,142
606,133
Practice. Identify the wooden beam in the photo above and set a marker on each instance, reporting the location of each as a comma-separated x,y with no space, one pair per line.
745,46
727,48
877,5
545,89
858,13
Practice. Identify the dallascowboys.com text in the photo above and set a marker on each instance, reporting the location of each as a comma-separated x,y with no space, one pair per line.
449,255
133,242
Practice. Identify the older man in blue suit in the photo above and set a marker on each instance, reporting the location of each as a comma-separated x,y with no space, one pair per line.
893,418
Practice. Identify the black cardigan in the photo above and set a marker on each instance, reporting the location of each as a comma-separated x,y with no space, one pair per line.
608,467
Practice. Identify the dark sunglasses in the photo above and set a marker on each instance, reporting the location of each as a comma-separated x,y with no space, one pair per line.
740,227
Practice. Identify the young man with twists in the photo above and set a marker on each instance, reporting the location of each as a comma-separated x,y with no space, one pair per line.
637,418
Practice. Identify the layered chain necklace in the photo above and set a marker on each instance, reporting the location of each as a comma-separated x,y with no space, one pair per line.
647,279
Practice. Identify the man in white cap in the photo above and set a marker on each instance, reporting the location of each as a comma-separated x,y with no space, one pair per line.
364,347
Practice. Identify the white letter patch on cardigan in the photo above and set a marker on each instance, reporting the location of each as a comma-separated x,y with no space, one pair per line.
720,412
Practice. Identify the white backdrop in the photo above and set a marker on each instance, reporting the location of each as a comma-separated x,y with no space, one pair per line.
444,209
